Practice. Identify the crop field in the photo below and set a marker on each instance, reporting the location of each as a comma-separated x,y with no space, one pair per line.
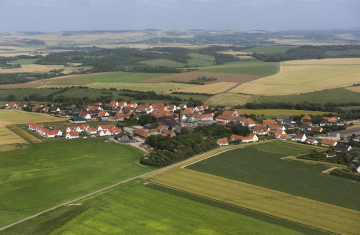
32,68
213,88
47,174
300,76
282,205
9,117
156,87
20,93
123,77
125,210
261,165
221,77
277,112
229,99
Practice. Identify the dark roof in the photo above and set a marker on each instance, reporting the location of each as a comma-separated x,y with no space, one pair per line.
341,147
349,130
283,117
78,119
167,120
148,125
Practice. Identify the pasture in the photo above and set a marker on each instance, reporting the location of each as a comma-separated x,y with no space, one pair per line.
221,77
337,95
156,87
162,62
277,112
125,210
300,76
213,88
282,205
25,61
123,77
251,70
47,174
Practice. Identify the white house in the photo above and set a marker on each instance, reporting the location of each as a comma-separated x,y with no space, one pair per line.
300,137
72,135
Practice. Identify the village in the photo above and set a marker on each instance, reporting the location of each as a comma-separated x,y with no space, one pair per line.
171,119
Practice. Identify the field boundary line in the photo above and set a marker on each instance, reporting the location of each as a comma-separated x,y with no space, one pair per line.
245,208
325,171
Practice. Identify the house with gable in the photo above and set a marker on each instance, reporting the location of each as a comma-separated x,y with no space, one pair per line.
300,137
222,142
71,135
305,118
269,122
312,141
328,143
260,130
282,137
85,115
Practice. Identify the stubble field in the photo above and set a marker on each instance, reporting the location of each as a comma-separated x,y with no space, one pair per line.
301,76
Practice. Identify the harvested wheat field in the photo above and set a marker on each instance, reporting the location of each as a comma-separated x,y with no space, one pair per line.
213,88
354,88
9,137
221,77
300,76
39,68
229,99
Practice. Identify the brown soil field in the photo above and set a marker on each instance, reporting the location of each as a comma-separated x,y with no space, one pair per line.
221,77
354,88
53,81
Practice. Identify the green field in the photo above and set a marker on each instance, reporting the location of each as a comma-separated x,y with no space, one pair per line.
277,112
120,77
47,174
269,49
338,95
133,208
261,165
25,61
162,62
20,93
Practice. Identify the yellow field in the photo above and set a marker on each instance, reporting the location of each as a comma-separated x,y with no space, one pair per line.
277,112
354,88
8,117
301,210
9,137
213,88
229,99
301,76
33,68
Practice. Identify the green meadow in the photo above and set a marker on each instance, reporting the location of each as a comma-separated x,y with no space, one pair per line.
25,61
269,49
124,77
50,173
251,70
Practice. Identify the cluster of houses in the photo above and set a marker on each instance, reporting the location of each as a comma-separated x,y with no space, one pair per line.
73,131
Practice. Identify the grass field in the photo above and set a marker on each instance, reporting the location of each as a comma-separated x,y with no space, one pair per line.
301,210
47,174
25,61
277,112
125,210
213,88
157,87
162,62
261,165
337,95
229,99
269,49
20,93
123,77
301,76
